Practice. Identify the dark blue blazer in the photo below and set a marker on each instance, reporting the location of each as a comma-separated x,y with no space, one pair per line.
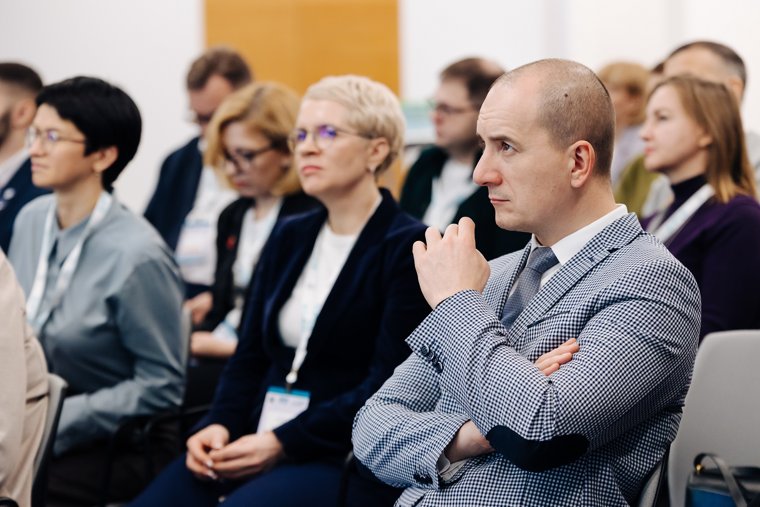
175,192
357,341
19,191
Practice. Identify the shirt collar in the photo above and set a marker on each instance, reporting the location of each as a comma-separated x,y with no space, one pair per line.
573,243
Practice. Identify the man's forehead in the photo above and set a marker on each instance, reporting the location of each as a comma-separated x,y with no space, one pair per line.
507,108
697,61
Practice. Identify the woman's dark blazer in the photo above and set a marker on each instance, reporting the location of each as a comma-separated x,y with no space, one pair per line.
227,236
357,340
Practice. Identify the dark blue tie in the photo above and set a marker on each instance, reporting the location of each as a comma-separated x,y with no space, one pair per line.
541,259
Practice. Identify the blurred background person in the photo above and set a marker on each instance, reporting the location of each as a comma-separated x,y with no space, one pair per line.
334,297
103,292
438,188
188,198
627,84
19,85
248,146
717,63
23,391
693,136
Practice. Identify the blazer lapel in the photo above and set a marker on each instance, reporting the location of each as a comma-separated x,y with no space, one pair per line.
343,292
616,235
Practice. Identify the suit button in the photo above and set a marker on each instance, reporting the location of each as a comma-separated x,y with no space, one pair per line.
424,350
438,366
423,479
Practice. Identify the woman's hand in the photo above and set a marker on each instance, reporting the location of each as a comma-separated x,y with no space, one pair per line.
205,344
551,361
248,455
207,440
199,306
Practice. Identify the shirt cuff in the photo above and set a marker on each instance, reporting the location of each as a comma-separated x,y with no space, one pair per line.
446,469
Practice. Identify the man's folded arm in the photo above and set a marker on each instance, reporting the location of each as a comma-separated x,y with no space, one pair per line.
636,353
397,434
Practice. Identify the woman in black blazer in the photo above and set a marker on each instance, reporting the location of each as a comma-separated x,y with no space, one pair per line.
334,296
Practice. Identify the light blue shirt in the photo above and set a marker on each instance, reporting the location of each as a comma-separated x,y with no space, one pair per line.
116,335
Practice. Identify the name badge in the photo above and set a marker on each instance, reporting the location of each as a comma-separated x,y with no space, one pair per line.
281,406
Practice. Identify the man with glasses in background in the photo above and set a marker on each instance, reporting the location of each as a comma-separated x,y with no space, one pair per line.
188,198
439,189
18,86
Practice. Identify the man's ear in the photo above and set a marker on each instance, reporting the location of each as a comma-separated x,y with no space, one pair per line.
23,113
104,158
581,162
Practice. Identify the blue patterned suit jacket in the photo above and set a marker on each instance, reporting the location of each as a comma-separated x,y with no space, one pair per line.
588,434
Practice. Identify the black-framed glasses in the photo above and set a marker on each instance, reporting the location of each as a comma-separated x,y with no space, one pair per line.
243,159
448,110
322,136
48,138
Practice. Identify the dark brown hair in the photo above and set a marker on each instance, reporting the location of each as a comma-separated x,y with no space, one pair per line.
219,61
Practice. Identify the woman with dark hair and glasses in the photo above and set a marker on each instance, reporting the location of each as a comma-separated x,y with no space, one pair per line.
103,292
334,296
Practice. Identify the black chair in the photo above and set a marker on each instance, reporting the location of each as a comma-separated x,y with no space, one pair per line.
655,490
7,502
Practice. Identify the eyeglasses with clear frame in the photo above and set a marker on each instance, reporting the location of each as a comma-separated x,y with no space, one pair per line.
48,138
241,159
322,136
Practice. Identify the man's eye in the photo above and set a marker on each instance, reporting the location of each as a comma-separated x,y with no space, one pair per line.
505,146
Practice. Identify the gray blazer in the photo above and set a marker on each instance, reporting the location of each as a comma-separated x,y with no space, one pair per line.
586,435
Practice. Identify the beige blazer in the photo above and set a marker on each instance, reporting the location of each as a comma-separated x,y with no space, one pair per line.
23,391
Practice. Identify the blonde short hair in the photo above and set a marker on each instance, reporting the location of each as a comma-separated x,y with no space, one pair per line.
270,109
373,109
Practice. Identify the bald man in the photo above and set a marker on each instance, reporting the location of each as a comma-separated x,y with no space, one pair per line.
469,418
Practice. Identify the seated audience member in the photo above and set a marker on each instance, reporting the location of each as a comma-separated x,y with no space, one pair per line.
18,86
248,141
334,295
634,184
188,198
714,62
469,415
23,391
103,293
694,137
438,188
626,83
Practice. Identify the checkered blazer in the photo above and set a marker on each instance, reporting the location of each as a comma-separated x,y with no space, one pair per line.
588,434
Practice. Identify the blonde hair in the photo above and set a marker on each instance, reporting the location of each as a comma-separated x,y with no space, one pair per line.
714,108
631,77
372,109
269,108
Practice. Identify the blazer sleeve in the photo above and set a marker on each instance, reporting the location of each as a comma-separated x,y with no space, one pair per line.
147,311
245,370
325,428
13,372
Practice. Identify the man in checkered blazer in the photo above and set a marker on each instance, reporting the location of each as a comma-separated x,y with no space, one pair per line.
469,419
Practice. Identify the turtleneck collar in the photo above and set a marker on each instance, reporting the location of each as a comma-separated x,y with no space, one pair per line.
683,190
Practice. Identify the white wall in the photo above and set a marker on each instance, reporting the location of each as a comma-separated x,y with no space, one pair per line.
594,32
144,46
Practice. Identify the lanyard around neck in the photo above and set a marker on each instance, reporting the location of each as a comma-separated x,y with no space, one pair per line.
666,230
38,318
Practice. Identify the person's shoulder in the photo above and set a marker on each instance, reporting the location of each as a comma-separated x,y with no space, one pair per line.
136,238
189,149
430,156
36,209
